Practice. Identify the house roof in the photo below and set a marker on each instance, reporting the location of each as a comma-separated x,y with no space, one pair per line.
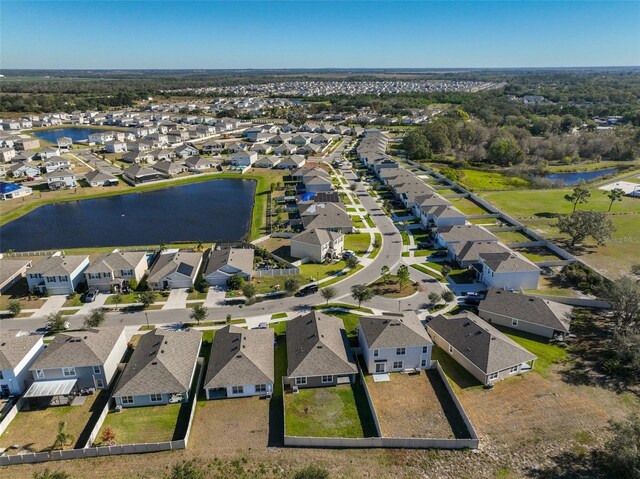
97,175
58,265
60,173
542,312
239,357
317,346
324,215
507,262
139,170
471,250
162,362
182,262
317,236
9,267
116,261
79,348
197,160
457,233
482,344
14,348
393,330
239,258
167,166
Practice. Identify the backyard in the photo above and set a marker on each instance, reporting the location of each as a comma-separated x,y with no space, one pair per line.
142,424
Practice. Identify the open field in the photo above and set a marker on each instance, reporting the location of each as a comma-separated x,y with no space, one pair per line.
476,180
537,209
143,424
415,406
467,206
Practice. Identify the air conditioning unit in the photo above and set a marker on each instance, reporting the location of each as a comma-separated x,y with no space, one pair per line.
119,408
295,390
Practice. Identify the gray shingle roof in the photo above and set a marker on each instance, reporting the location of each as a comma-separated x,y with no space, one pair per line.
14,348
240,258
170,262
527,308
392,330
317,346
58,265
240,357
79,348
457,233
471,250
507,262
116,261
163,362
97,175
317,236
324,215
9,267
482,344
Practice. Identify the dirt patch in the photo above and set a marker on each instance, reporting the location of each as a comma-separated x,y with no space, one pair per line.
416,406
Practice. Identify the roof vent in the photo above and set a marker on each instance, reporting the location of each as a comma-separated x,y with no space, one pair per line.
319,346
532,299
162,351
239,356
154,362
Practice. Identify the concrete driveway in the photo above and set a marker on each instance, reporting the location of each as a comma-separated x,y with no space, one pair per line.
215,297
96,304
177,299
52,305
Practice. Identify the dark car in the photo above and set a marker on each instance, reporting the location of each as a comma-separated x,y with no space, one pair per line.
312,288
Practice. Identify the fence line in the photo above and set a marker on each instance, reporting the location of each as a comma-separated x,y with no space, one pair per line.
275,272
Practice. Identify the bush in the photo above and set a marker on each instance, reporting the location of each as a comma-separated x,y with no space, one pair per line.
186,470
236,281
311,472
14,308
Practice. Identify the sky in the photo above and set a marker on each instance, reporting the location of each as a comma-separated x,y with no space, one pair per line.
184,34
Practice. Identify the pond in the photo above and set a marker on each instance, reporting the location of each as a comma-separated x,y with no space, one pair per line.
575,177
76,134
216,210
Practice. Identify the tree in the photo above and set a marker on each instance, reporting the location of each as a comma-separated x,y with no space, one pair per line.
249,291
198,313
328,293
352,262
236,281
188,469
63,438
385,272
377,242
434,298
361,293
582,224
116,298
624,296
621,454
49,474
147,298
311,472
163,246
403,276
505,151
199,246
580,196
291,284
14,308
448,296
108,436
228,319
56,322
446,269
95,318
615,194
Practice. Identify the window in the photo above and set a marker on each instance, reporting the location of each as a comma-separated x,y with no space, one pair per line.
63,279
327,379
401,351
301,381
425,349
51,279
514,322
94,275
261,388
380,368
450,349
398,365
39,374
237,390
423,363
376,353
68,371
155,397
514,369
97,370
99,383
1,376
127,399
493,376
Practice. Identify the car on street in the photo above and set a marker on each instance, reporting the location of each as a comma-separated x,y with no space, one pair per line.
307,290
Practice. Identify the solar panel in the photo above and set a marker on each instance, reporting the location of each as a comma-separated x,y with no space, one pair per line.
185,269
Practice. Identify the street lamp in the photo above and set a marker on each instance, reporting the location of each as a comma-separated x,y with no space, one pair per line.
146,315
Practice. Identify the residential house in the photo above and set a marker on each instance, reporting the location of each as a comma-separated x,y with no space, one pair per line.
160,370
64,143
75,360
330,216
199,163
174,270
508,270
463,233
225,263
478,347
244,158
101,137
530,314
394,342
467,254
318,353
241,363
57,274
7,154
212,147
169,168
185,151
48,152
111,271
12,271
267,162
98,178
115,146
137,157
24,169
292,162
10,191
17,353
285,149
319,245
25,144
56,163
142,174
61,179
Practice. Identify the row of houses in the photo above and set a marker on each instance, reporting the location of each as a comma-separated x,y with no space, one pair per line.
469,245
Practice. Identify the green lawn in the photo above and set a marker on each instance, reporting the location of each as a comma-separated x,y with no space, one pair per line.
405,238
124,299
511,236
548,354
537,254
321,271
278,315
476,180
374,253
328,412
340,278
420,235
279,329
357,242
197,295
269,284
357,222
458,376
143,424
467,206
424,270
462,276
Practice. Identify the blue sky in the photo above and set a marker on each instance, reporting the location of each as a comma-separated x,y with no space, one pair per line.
317,34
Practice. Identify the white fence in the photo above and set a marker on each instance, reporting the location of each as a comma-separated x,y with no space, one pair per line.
275,272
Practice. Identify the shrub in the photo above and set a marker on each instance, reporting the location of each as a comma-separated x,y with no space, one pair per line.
311,472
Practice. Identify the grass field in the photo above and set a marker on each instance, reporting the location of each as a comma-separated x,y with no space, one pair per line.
548,354
357,242
467,206
476,180
143,424
321,271
511,236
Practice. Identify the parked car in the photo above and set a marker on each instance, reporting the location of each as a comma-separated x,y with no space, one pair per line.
348,254
91,295
312,288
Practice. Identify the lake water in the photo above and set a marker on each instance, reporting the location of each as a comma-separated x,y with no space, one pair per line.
217,210
76,134
575,177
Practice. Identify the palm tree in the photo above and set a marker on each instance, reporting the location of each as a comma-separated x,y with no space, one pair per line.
62,437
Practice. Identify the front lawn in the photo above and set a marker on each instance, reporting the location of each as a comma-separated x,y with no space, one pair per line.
340,411
124,299
270,284
462,276
424,270
321,271
143,424
377,237
357,242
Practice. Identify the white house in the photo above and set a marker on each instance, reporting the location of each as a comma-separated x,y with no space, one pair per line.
115,146
112,270
508,270
17,354
57,274
61,179
244,158
318,245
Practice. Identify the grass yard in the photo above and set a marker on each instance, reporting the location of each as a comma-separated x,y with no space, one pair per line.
459,377
143,424
278,315
321,271
405,238
548,354
538,254
390,288
269,284
124,299
340,411
420,236
467,206
424,270
357,242
462,276
511,236
195,295
357,222
377,237
476,180
350,321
